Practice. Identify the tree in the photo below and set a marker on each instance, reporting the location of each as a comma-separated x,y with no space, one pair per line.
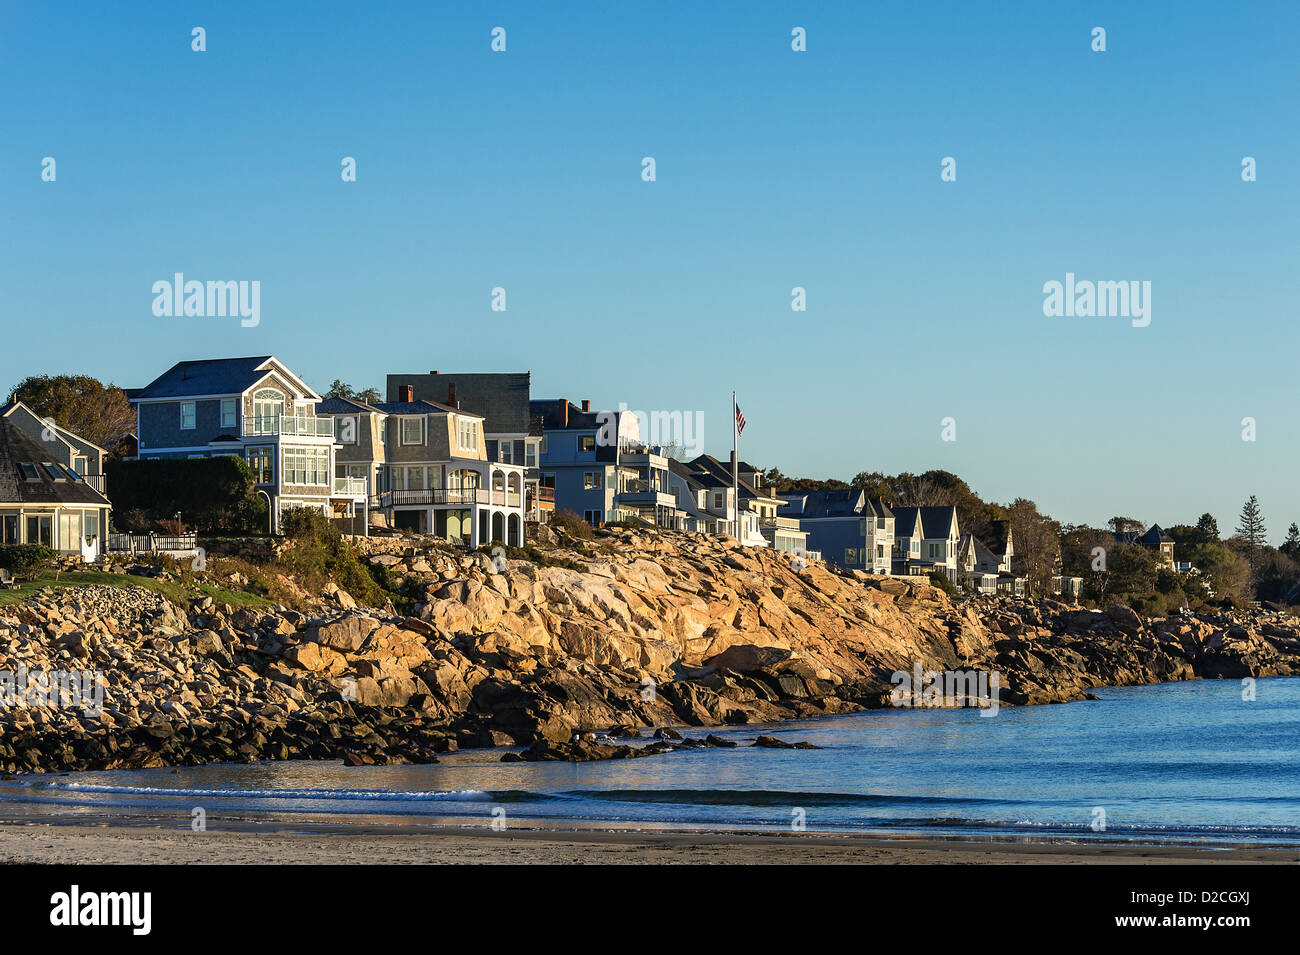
1126,525
1037,542
1292,543
83,405
1209,528
341,389
1252,530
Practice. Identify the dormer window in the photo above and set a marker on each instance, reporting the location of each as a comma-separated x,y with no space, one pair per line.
467,434
268,408
412,430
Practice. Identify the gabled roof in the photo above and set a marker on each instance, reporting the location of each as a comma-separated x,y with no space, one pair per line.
708,464
838,502
216,376
75,441
501,399
18,448
337,406
420,407
936,522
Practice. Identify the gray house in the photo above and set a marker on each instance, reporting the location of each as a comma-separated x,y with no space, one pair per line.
850,529
600,469
926,539
69,449
46,502
512,432
428,467
251,408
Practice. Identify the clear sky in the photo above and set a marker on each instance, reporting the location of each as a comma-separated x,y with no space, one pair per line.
774,168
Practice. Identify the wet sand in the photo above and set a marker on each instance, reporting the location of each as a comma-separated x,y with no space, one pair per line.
105,842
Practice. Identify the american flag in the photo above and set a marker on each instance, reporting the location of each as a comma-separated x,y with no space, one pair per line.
740,421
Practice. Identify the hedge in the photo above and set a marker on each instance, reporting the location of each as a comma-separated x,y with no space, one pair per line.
212,495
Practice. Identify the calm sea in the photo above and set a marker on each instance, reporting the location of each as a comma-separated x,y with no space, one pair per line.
1182,761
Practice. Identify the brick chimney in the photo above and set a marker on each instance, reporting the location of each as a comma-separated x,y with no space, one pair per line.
406,393
451,395
586,404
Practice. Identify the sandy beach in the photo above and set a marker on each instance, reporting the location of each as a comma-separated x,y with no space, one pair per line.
308,843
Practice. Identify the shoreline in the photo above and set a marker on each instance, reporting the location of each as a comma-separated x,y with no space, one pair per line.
99,840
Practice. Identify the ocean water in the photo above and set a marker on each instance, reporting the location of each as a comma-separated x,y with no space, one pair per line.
1169,763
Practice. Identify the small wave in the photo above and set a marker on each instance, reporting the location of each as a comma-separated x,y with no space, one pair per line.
340,795
772,797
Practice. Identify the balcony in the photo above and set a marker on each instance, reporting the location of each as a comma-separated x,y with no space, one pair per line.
780,523
442,496
352,487
96,482
290,425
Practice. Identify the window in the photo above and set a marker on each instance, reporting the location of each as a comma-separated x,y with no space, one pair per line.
40,530
587,442
306,466
345,430
29,471
717,501
54,471
591,480
506,452
398,478
9,529
268,406
262,463
415,479
592,517
227,412
92,524
187,416
412,431
852,555
69,530
466,434
530,454
548,479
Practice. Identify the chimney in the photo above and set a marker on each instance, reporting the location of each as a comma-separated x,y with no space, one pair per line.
451,395
586,404
434,372
564,406
406,393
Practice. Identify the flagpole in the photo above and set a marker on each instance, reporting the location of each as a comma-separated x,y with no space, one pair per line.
735,462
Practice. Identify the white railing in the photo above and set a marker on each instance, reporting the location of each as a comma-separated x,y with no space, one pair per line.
256,426
350,486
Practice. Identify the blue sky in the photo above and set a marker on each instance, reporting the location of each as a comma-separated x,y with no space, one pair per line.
775,169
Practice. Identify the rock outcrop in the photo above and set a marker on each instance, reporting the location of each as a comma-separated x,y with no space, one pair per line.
659,629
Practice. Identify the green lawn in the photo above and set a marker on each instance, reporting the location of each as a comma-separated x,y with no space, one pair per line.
176,591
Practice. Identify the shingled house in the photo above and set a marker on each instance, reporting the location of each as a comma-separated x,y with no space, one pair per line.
43,501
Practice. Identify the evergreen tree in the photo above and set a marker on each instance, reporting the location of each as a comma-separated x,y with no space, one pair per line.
1209,528
1292,544
1252,530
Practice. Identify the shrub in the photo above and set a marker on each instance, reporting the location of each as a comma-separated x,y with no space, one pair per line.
940,580
24,557
307,522
570,523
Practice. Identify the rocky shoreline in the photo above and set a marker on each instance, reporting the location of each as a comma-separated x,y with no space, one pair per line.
659,630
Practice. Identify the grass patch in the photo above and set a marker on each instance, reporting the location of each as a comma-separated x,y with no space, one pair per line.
179,592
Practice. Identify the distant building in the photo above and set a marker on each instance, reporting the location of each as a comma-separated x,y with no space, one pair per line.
926,539
849,529
43,500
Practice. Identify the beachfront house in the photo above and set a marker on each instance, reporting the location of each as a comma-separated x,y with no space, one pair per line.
926,540
44,500
850,529
428,469
251,408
